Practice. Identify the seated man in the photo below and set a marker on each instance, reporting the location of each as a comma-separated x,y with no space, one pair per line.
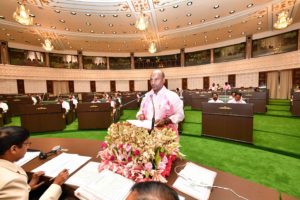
152,191
226,86
64,104
74,100
215,99
96,100
161,104
237,98
34,100
4,106
14,142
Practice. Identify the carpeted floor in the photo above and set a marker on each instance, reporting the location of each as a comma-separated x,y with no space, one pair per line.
273,160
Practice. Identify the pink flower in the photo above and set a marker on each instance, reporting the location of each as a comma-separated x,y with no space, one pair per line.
120,146
148,166
129,159
103,145
136,152
112,158
128,147
161,154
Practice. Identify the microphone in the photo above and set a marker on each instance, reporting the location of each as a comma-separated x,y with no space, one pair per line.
153,117
129,102
54,150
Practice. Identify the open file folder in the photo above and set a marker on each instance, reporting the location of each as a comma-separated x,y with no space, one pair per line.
195,181
106,185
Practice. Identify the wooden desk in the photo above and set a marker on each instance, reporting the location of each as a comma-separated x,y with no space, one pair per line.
132,105
94,115
16,103
248,189
228,121
42,118
198,99
296,104
258,99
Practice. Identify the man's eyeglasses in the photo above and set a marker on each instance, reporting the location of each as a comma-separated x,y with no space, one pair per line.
27,143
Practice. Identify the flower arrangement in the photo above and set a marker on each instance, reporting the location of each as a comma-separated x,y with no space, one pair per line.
134,153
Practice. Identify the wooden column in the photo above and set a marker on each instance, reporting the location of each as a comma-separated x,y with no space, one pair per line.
248,46
182,58
132,60
298,39
212,58
4,52
47,59
80,59
107,63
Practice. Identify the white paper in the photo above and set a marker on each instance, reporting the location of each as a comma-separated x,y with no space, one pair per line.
85,175
141,123
195,181
71,162
27,157
107,185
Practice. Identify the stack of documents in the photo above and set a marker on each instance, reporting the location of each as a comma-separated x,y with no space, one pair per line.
106,185
27,157
71,162
195,181
143,124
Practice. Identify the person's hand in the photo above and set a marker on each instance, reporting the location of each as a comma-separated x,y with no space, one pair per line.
34,182
141,117
162,122
61,177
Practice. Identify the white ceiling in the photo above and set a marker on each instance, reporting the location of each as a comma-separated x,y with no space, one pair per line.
108,25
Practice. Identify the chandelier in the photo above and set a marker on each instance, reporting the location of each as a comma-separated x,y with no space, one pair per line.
142,22
22,15
283,20
152,47
47,45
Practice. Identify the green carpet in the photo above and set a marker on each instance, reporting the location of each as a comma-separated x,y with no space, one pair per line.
273,160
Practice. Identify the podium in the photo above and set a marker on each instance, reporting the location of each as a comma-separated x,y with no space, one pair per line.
296,104
258,99
94,115
228,121
42,118
198,99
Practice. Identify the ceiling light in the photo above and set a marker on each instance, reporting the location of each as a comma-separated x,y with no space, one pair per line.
53,27
92,31
202,20
260,16
2,17
229,31
22,15
79,30
259,23
47,45
217,16
111,25
229,36
57,11
259,28
31,15
244,21
217,38
38,24
250,5
88,14
128,15
102,15
103,32
62,21
166,28
67,29
161,9
165,20
216,6
73,13
7,34
232,11
190,23
115,15
88,23
189,3
114,32
283,20
176,6
189,14
243,33
152,47
155,1
39,39
142,22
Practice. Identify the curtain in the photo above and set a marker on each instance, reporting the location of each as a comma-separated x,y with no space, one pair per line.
286,84
272,84
60,87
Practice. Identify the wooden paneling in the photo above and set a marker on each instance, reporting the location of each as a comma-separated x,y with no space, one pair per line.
93,86
112,86
262,78
149,85
71,86
296,77
131,85
206,83
20,85
49,86
184,83
231,80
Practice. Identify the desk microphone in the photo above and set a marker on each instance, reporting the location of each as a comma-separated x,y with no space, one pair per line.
153,117
129,102
54,150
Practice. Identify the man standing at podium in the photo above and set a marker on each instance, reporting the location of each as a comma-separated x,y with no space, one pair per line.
161,104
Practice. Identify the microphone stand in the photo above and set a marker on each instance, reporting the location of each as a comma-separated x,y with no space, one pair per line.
153,117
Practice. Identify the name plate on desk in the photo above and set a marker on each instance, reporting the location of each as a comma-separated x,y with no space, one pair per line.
225,108
41,108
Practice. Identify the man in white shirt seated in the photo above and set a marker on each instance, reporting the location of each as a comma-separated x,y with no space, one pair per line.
226,86
34,100
64,104
4,106
213,87
237,98
215,99
74,100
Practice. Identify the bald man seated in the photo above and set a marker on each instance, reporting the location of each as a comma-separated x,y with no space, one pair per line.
163,104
